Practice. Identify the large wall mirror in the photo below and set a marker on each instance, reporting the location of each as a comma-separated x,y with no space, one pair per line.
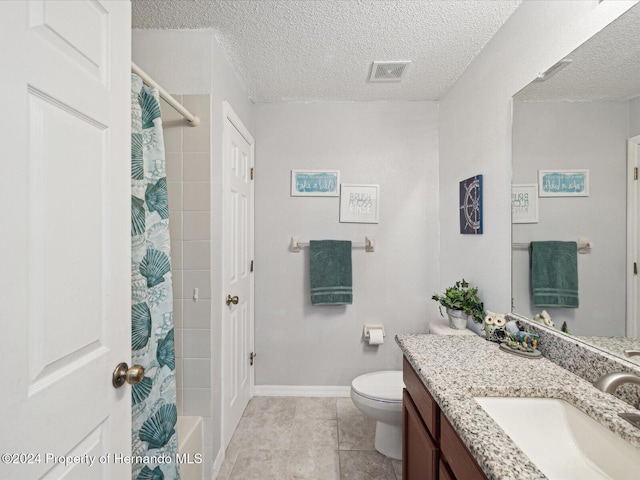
583,117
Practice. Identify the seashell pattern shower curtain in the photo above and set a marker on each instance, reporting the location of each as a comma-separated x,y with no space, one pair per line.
154,413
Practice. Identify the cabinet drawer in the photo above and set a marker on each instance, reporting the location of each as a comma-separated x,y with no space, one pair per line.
456,454
424,402
420,454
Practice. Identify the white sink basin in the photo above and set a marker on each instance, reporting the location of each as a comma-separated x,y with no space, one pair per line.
561,440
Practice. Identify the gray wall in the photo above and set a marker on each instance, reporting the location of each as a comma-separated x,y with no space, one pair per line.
634,126
475,133
567,135
392,144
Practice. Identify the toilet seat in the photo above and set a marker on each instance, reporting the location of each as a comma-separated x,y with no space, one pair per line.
385,386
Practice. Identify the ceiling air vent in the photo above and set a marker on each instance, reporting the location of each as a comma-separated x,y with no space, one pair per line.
388,71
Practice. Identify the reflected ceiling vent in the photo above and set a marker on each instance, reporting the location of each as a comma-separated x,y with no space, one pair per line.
388,71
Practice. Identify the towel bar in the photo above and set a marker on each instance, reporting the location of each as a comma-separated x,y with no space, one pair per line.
584,245
368,245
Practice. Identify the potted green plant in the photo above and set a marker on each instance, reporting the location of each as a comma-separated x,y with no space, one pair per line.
462,304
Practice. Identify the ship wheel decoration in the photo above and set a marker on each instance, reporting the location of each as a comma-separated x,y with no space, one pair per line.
471,205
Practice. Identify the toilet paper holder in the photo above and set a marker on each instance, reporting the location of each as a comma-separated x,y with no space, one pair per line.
367,328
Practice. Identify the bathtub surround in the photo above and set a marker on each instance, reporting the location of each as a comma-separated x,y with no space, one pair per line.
154,412
190,437
189,184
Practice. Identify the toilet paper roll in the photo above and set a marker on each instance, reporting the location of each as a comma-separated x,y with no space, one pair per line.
375,336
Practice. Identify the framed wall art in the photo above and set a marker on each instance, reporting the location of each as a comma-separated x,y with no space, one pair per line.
471,206
315,183
563,183
359,203
524,203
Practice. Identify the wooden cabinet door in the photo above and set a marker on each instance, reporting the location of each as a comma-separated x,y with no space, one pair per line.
445,473
422,399
456,455
420,453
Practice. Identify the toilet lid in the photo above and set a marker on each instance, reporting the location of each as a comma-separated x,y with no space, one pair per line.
384,386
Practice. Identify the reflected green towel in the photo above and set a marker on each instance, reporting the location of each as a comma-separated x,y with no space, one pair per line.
554,274
330,267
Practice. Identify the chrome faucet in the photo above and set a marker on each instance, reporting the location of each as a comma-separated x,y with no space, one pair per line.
609,382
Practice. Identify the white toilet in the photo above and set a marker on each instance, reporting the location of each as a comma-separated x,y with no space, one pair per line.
379,395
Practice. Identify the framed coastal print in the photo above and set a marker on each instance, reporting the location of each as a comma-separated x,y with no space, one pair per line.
359,203
471,206
315,183
524,203
563,183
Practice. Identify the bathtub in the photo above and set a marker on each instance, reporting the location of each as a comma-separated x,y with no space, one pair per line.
190,440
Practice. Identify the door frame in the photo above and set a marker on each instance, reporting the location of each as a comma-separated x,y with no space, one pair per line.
633,224
230,117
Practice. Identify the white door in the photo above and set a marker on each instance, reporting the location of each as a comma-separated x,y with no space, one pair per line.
65,222
237,319
633,233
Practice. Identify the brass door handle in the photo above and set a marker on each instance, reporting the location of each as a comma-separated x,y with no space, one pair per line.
231,300
123,374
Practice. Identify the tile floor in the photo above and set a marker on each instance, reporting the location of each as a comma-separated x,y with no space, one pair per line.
304,438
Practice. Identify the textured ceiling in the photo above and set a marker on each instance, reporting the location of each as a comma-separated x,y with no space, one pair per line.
321,50
605,68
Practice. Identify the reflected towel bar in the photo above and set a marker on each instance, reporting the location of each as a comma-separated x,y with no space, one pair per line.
368,245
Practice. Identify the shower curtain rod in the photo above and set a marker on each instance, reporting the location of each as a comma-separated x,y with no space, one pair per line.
193,120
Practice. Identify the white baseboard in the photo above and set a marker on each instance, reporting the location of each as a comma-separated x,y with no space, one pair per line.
217,464
302,391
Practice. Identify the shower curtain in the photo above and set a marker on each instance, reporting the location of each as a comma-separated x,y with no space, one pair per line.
154,413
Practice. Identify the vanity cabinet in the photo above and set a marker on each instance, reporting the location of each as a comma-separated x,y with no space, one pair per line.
418,444
431,449
445,473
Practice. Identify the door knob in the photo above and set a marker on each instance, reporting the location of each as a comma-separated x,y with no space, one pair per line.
231,300
123,374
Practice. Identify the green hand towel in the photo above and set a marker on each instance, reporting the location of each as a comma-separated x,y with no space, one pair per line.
330,267
554,274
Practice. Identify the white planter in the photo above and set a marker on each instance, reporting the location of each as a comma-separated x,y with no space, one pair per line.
457,319
476,328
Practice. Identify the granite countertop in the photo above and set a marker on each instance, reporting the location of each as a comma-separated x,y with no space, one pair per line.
455,369
615,346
